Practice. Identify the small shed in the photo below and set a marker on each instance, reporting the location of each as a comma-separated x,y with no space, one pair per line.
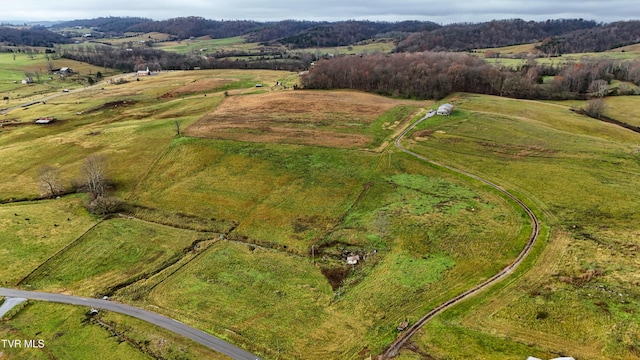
445,109
352,260
45,120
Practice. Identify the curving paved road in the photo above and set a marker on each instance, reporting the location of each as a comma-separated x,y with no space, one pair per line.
395,347
177,327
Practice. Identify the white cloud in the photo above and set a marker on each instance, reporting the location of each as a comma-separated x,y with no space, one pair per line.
438,11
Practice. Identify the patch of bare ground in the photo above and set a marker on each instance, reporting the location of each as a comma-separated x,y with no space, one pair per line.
324,118
112,105
196,87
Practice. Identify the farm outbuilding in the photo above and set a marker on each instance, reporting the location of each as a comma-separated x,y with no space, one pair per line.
445,109
45,120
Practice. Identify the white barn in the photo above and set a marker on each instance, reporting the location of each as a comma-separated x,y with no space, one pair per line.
445,109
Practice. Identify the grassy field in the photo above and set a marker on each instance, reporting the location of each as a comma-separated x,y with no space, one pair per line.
582,173
299,180
30,233
238,43
507,53
340,119
387,225
67,333
136,38
208,45
14,66
110,254
94,121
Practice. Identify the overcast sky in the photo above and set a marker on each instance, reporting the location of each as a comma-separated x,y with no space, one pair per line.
443,12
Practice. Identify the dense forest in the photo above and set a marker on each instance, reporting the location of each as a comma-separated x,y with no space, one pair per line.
434,75
595,39
497,33
187,27
110,26
34,36
350,32
278,30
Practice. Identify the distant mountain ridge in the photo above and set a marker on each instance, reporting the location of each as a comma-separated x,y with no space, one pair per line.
555,36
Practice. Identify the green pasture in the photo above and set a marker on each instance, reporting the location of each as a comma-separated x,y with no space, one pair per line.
278,284
269,189
378,46
582,173
114,252
441,247
566,58
383,127
68,333
94,122
137,38
507,52
13,67
621,108
31,232
211,45
238,43
258,298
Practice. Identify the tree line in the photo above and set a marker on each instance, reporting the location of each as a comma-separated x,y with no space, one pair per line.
140,58
496,33
343,33
596,39
434,75
94,180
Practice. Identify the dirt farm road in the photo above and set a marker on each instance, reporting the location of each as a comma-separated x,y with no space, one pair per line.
177,327
394,348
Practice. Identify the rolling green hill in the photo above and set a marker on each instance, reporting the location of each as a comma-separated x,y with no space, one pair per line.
241,205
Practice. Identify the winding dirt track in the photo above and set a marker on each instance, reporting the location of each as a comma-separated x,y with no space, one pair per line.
395,347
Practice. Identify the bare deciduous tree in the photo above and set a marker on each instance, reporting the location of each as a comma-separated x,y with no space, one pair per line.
94,172
50,180
595,108
177,128
599,88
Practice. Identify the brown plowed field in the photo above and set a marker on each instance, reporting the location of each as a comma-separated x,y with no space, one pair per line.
325,118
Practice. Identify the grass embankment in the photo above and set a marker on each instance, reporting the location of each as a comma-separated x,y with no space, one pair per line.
580,297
